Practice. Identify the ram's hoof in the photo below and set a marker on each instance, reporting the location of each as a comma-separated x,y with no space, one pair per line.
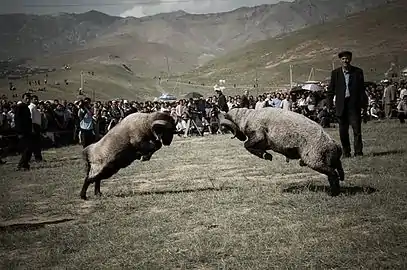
302,163
145,158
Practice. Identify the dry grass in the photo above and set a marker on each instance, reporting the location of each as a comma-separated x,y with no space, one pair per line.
206,203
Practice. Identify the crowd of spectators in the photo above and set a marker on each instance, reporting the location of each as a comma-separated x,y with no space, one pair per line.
60,120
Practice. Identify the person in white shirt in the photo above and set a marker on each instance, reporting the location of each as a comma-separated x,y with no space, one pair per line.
36,123
374,111
261,103
286,103
403,92
180,112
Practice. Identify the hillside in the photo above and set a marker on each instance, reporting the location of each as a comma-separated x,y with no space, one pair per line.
186,39
94,41
376,37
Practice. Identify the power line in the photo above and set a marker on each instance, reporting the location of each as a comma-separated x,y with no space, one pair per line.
121,3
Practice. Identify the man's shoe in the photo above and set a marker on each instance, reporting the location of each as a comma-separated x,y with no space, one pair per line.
2,162
358,154
23,168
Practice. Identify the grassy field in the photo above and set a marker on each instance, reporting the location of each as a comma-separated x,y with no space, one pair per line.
206,203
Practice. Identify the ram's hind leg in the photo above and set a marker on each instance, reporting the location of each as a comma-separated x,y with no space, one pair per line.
85,186
257,146
86,181
333,177
105,174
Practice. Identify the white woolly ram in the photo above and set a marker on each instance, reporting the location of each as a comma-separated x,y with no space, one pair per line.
290,134
137,136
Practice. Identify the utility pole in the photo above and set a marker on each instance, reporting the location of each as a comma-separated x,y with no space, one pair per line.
291,77
311,74
256,83
168,67
82,80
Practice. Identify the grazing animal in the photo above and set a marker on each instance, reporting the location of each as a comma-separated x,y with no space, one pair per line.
290,134
137,136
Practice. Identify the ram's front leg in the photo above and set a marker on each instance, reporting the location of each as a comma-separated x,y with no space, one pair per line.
257,146
153,146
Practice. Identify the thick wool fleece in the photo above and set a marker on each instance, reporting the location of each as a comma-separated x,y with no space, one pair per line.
124,143
290,134
137,136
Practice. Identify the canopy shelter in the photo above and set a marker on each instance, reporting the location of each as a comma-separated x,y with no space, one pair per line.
193,95
308,87
313,87
167,97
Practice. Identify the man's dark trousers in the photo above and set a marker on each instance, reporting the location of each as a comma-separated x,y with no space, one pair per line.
353,118
36,142
26,150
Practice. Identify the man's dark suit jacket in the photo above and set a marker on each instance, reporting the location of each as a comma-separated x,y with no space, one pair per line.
337,86
23,120
222,103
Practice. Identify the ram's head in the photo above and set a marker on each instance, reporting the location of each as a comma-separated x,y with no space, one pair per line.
227,122
164,128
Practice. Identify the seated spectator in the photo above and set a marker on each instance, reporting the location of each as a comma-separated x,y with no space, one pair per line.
375,112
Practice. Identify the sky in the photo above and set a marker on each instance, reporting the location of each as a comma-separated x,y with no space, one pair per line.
136,8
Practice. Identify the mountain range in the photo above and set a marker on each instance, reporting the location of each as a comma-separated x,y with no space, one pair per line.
377,38
187,40
197,50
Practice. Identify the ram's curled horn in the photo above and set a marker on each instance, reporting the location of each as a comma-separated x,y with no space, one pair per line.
161,123
230,125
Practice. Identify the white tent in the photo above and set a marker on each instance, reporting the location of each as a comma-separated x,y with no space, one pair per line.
312,87
167,97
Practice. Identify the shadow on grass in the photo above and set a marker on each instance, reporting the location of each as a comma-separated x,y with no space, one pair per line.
346,190
388,152
32,225
145,193
52,163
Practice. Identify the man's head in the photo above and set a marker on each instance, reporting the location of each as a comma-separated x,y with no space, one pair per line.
26,98
34,99
346,58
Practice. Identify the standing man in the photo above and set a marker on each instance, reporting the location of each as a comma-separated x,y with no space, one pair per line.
222,103
36,122
23,126
245,103
389,98
86,123
347,84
